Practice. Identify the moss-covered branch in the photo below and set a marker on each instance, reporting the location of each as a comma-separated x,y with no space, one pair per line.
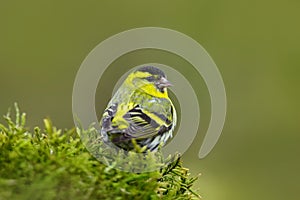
51,163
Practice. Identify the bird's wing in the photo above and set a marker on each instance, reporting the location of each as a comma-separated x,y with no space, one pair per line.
137,124
140,121
149,120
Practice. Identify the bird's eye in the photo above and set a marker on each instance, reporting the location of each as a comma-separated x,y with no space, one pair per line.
150,78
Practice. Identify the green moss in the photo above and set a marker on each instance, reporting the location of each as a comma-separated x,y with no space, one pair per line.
51,163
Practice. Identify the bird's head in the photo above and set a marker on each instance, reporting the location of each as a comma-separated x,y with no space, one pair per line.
150,80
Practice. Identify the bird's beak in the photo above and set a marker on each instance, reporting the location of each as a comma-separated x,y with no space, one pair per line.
163,83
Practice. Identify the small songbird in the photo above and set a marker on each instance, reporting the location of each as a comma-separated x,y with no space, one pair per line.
141,110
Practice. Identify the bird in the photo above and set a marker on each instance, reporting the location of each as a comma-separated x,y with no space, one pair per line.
140,111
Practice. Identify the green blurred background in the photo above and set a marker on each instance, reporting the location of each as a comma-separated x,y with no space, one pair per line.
254,43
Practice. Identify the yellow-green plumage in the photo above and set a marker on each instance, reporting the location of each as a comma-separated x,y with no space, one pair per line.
140,110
